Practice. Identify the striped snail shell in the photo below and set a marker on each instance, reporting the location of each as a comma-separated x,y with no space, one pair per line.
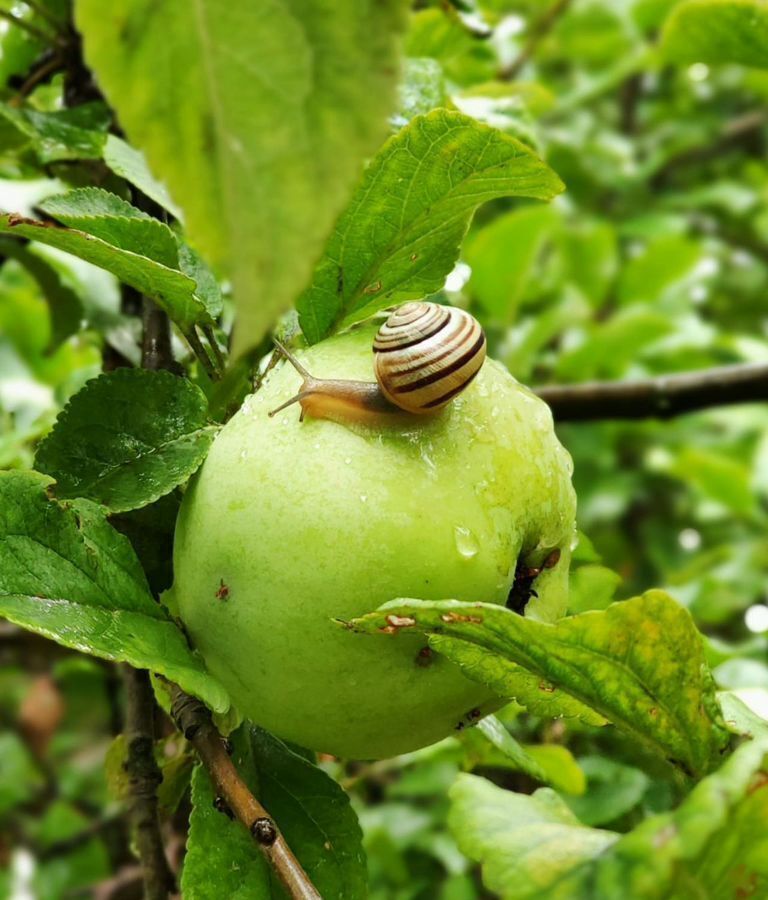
425,354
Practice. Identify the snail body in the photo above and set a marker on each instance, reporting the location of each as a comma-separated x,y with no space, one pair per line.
424,355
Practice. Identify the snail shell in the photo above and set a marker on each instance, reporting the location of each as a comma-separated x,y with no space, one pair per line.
425,354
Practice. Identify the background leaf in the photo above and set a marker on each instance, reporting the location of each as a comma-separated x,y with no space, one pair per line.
64,304
67,574
503,255
712,846
718,31
268,112
400,235
127,438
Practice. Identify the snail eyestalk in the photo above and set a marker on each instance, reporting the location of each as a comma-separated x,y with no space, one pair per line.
291,359
423,356
297,398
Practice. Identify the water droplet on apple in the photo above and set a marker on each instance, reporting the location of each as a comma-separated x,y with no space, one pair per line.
466,542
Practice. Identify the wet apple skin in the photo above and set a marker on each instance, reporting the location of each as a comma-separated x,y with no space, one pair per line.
307,522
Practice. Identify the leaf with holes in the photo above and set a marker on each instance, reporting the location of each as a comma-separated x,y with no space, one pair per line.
67,574
399,237
127,438
639,663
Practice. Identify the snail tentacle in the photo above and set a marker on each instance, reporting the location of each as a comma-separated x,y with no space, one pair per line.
424,355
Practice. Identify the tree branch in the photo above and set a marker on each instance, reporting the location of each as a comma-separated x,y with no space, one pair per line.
661,398
194,721
731,134
141,765
537,32
145,776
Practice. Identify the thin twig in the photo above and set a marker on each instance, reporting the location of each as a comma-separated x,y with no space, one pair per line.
31,29
731,134
145,776
194,721
156,350
218,356
661,397
63,846
47,65
537,32
629,98
200,352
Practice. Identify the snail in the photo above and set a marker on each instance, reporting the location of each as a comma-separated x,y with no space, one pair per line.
424,355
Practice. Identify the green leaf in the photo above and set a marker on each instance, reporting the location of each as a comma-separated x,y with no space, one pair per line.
20,778
525,844
714,845
615,344
718,31
400,235
64,304
127,438
591,587
719,477
508,679
613,790
663,265
129,163
150,531
173,291
115,221
739,717
503,256
66,574
422,88
640,663
264,132
310,809
590,258
56,136
524,759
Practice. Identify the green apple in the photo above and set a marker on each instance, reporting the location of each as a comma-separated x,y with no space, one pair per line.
290,525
